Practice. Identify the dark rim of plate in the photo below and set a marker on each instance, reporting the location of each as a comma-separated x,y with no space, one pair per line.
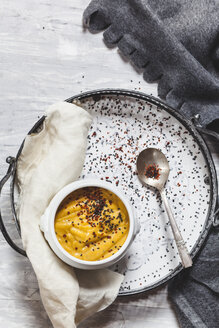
96,96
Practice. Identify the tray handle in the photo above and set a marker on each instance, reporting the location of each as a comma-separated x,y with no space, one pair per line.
216,217
208,132
10,173
196,121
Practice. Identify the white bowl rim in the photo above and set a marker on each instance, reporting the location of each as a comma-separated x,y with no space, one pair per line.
64,192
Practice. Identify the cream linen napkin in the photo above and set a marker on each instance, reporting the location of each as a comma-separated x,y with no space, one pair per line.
50,160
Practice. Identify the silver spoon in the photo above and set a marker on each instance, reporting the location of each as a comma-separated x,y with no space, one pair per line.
153,170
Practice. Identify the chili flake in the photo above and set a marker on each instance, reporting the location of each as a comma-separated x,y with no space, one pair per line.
152,171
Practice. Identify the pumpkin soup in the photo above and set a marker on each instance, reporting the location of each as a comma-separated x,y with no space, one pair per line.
91,223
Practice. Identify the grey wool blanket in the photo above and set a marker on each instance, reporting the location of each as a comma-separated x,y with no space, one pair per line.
176,44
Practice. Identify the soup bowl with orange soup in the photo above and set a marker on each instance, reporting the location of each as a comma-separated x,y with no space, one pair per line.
89,224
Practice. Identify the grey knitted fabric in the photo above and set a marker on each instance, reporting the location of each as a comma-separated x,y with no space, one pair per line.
175,42
195,292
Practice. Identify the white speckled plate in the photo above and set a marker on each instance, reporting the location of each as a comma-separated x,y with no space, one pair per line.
124,124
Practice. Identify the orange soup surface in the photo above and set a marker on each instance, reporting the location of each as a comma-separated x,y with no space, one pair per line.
92,223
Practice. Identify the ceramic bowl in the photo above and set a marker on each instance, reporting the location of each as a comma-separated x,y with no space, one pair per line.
47,225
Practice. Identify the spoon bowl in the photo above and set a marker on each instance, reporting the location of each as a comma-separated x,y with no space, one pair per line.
152,160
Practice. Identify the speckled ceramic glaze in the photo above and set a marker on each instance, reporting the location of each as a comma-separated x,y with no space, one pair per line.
124,123
122,126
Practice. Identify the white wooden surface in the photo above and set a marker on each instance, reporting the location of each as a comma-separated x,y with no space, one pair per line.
46,56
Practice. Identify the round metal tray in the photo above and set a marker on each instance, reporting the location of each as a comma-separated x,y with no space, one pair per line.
115,112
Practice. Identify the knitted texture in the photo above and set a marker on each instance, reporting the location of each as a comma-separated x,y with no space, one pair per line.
195,292
174,42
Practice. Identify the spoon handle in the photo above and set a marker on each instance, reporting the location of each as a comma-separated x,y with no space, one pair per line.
180,243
